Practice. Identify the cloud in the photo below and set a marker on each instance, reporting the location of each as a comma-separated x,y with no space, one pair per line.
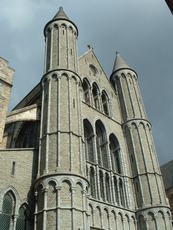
18,13
21,13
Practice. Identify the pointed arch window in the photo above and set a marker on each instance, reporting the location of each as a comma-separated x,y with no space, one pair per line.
101,142
105,103
92,183
95,93
8,208
86,94
89,135
23,219
115,153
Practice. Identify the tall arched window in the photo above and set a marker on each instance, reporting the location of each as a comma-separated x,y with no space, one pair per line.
22,220
102,192
89,135
101,142
86,95
107,184
105,103
8,207
115,151
95,93
92,183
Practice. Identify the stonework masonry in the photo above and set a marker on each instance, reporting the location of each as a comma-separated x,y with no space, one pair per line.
77,152
6,78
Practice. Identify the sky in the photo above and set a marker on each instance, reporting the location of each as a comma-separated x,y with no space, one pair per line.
142,31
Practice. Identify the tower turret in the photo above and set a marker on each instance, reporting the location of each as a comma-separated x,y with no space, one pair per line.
61,182
147,179
125,79
61,43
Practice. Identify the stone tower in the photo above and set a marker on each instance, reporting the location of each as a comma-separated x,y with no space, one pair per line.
147,179
61,183
6,79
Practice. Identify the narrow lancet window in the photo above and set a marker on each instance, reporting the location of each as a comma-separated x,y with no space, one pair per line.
115,152
88,134
107,184
95,93
86,95
102,192
92,183
105,103
101,142
48,51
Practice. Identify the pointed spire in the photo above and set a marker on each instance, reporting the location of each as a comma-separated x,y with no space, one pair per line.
61,14
119,63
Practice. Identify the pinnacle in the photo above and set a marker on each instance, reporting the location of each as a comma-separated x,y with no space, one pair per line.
119,63
61,14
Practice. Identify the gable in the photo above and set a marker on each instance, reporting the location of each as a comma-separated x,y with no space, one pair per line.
91,69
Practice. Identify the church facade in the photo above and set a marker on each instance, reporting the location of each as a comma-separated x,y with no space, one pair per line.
77,152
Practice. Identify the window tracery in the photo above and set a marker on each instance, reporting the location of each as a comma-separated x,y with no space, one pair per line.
103,190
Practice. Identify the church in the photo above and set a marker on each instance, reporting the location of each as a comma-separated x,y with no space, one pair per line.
77,153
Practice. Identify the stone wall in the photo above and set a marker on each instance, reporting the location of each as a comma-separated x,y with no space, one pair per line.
6,77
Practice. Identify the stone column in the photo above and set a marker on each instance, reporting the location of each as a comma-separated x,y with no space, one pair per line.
58,188
36,210
73,189
45,208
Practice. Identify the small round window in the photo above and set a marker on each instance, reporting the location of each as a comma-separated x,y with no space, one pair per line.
93,69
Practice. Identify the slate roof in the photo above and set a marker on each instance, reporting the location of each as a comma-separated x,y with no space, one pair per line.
61,14
119,63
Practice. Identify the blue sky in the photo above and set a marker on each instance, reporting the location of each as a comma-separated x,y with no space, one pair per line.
142,31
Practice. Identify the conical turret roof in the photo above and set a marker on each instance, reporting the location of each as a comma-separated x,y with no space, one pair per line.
61,14
119,63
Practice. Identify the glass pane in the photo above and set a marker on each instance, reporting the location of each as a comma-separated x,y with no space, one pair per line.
4,222
90,149
7,205
20,225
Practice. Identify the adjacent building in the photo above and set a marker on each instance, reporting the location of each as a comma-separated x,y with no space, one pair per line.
167,172
170,5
